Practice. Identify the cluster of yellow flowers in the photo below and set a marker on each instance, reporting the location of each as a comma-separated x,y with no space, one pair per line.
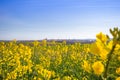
44,60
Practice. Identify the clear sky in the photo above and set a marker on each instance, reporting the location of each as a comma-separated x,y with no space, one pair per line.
57,19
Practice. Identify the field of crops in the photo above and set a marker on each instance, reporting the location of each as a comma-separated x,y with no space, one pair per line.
60,61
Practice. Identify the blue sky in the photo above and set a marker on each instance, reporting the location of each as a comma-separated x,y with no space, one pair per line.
57,19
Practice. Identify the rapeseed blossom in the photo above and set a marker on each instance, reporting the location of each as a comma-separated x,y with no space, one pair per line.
118,71
86,66
118,78
60,61
98,67
102,37
98,50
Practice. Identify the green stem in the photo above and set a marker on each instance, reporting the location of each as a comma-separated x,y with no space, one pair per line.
107,63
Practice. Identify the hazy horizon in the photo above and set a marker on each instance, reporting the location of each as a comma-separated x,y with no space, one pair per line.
57,19
41,39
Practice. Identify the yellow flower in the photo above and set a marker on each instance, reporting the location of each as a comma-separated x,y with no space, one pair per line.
98,68
66,78
104,54
95,48
118,78
35,78
102,37
98,49
119,58
118,70
86,66
84,78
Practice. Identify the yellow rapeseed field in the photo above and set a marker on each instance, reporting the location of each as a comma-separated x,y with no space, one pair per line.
44,60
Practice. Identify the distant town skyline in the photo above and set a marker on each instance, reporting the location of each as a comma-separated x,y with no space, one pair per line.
57,19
